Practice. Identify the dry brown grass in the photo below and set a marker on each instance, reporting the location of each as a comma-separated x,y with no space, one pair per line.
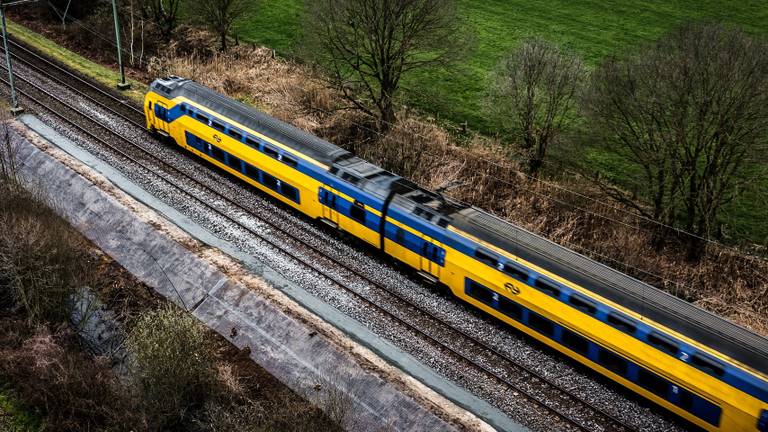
726,282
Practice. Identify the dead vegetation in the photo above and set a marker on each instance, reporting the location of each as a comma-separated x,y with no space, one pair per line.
725,281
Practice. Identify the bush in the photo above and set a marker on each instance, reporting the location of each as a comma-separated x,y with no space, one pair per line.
172,365
41,261
74,391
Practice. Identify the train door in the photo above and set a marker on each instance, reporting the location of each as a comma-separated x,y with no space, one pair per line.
161,118
432,258
150,114
328,199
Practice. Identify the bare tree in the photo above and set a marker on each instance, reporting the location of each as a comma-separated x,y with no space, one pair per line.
369,45
689,114
164,14
134,34
533,92
220,16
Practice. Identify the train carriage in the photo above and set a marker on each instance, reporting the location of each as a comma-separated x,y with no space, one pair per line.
699,366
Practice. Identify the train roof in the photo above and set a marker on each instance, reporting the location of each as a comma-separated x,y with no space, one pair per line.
310,145
711,330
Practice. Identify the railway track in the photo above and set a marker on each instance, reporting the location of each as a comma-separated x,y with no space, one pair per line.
557,402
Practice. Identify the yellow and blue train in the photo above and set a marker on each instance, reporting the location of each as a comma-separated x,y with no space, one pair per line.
705,369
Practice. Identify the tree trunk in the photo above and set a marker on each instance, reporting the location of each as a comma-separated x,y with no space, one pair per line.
695,249
534,165
388,116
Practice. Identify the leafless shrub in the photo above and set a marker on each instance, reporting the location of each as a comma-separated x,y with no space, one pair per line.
534,92
41,262
172,364
162,13
220,16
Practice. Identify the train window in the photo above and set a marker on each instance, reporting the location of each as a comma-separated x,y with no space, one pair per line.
252,142
234,162
701,407
251,171
350,178
516,272
684,398
547,287
217,125
195,142
663,343
235,134
612,361
653,383
621,322
291,162
582,304
443,222
575,342
182,108
486,257
540,324
270,181
510,308
161,112
400,236
217,153
697,405
357,212
290,192
479,292
150,105
203,118
269,151
707,364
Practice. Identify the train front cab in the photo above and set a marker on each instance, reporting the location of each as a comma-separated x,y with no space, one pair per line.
156,111
254,158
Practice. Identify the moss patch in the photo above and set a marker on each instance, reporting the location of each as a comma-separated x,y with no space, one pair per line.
14,417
